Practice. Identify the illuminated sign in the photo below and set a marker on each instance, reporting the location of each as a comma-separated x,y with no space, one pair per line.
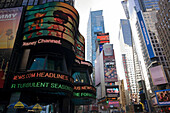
50,75
85,88
103,38
145,35
83,94
83,62
41,41
163,97
112,90
55,19
114,103
41,85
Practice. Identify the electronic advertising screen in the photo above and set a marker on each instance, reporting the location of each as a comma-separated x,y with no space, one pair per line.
163,97
51,19
103,38
80,47
9,22
110,73
112,90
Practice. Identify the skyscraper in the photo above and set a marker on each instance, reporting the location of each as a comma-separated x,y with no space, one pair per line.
125,39
95,25
163,25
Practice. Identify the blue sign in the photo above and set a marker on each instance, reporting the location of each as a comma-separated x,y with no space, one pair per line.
145,35
101,47
146,106
163,97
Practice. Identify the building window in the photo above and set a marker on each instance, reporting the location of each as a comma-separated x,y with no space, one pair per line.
80,77
47,63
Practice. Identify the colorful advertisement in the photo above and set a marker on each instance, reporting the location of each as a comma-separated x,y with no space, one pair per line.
163,97
51,19
114,89
80,47
9,22
158,75
103,38
145,35
114,103
110,73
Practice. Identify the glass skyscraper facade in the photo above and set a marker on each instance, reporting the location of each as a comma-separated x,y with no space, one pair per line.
95,25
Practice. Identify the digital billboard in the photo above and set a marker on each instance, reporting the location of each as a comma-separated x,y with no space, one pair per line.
55,19
110,73
163,97
9,22
114,103
158,75
80,47
103,38
145,35
114,89
42,80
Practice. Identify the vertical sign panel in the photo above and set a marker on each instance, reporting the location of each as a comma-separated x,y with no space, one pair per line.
9,21
145,35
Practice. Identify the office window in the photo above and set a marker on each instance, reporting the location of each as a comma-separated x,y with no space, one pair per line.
47,63
80,77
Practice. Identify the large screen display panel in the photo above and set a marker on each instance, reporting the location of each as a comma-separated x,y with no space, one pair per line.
145,35
110,73
163,97
9,22
103,38
51,19
158,75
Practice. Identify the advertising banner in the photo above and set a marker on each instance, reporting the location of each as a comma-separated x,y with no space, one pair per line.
163,97
145,35
158,75
110,73
9,22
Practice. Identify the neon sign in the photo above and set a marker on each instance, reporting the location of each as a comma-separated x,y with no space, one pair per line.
84,95
41,85
43,75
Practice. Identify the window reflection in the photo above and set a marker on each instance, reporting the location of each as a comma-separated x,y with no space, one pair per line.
80,77
47,63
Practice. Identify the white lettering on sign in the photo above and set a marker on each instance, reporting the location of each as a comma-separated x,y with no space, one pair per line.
41,41
8,16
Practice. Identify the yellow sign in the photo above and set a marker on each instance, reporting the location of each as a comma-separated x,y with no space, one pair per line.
19,105
37,107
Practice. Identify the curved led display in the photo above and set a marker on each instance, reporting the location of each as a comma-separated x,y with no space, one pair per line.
55,19
84,94
43,80
80,47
